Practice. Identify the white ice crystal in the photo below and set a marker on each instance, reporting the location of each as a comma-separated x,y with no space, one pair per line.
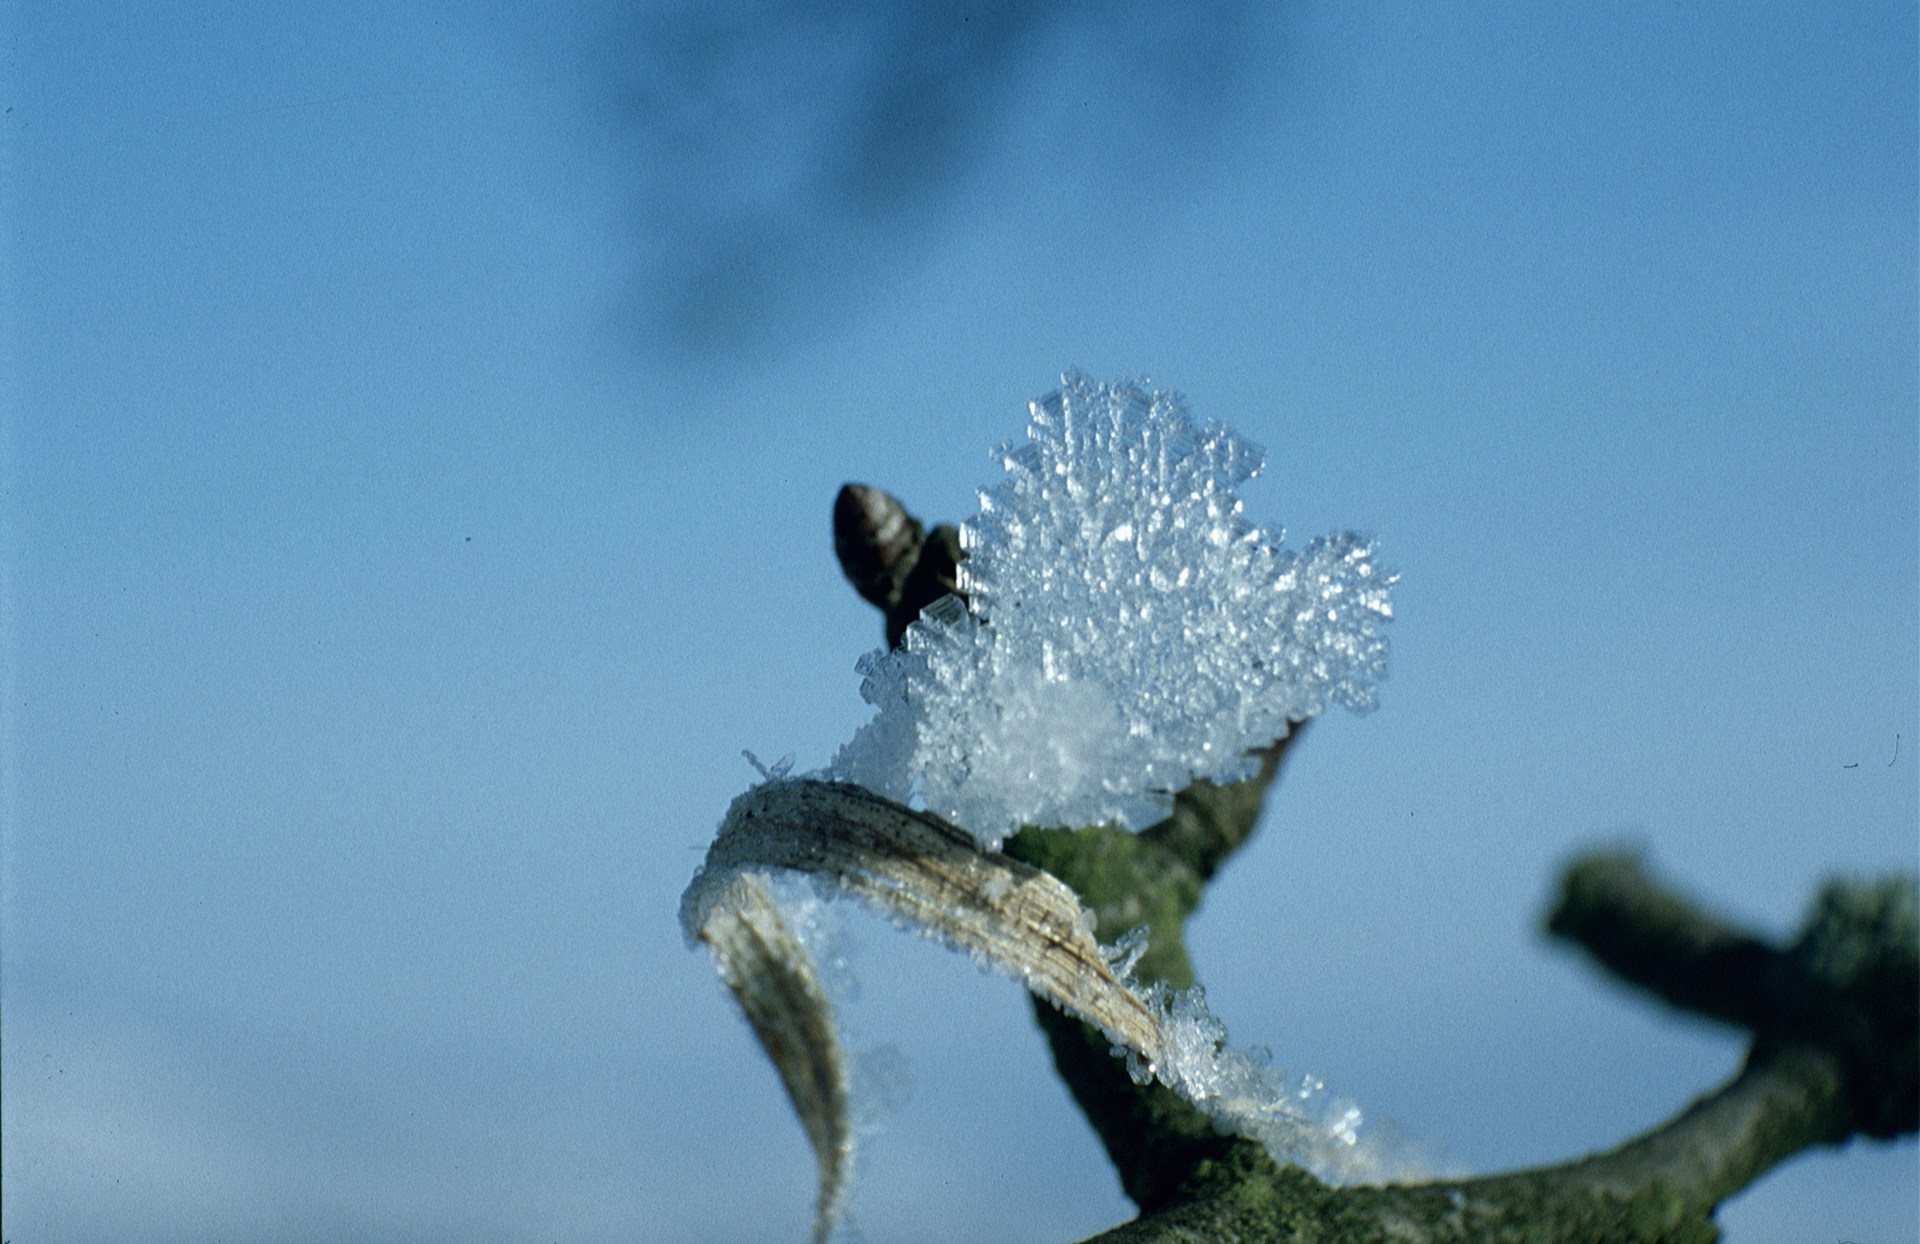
1244,1093
1128,632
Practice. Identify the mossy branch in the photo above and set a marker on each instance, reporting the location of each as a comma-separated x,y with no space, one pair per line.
1833,1056
1155,1138
1833,1018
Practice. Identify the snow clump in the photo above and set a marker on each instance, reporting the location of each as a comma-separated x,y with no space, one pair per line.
1126,630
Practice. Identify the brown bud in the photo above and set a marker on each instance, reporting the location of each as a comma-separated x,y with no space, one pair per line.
877,542
896,565
936,573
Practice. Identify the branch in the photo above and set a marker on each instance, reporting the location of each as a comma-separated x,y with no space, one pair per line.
1848,985
1834,1052
1834,1056
1155,1138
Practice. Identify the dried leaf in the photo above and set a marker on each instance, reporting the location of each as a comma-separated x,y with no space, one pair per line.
769,971
909,866
1012,916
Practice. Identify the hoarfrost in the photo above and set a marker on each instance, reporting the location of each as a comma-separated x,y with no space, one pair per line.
1129,631
1244,1093
780,769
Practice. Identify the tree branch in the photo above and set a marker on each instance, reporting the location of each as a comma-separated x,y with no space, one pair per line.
1834,1016
1850,984
1814,1076
1155,1138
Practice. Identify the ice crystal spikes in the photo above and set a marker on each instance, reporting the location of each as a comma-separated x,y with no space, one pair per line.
1129,631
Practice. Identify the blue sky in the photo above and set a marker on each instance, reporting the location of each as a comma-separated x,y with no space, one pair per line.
422,429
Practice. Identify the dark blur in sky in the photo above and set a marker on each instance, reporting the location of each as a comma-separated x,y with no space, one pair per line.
421,431
785,156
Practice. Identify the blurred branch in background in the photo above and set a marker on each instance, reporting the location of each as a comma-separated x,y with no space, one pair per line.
783,150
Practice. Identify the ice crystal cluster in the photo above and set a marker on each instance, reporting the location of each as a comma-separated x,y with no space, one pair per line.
1241,1090
1244,1093
1126,630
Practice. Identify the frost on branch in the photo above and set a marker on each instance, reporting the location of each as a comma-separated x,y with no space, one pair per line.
1129,631
1117,630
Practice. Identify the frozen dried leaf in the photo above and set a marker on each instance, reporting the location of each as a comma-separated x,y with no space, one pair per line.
910,866
771,975
914,866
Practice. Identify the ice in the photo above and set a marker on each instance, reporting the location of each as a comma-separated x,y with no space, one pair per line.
780,768
1128,630
1243,1092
